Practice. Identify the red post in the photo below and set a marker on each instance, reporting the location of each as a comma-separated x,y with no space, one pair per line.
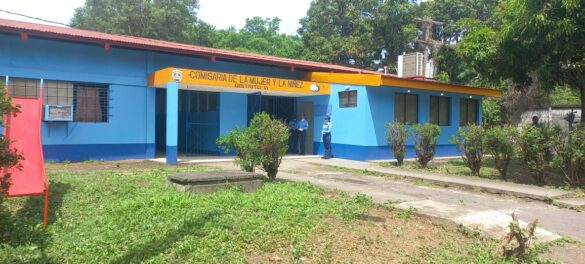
46,220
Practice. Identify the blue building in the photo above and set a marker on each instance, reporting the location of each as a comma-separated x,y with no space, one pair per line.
120,97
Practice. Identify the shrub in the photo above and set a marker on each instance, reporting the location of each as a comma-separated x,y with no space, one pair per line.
536,150
9,158
500,144
570,157
493,112
271,136
239,141
425,142
263,143
397,134
471,141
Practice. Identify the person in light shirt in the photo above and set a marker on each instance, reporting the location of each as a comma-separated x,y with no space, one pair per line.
326,131
302,127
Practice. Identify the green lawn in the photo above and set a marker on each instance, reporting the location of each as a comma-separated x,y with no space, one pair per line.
122,215
517,172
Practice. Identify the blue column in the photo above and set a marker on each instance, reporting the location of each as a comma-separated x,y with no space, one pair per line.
172,121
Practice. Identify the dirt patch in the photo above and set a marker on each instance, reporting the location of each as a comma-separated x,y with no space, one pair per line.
118,165
567,254
383,236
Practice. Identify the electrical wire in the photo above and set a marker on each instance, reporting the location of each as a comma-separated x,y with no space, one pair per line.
36,18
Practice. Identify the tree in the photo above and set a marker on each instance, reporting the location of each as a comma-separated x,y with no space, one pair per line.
394,31
172,20
260,35
533,44
340,32
452,12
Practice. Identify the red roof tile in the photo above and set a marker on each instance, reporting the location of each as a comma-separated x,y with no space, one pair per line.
73,34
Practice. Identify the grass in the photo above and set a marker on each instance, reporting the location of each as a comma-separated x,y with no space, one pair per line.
517,172
127,214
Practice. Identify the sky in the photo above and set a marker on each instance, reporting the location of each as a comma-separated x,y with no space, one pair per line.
220,13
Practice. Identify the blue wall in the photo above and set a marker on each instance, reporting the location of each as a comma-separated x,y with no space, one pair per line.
360,133
130,132
233,111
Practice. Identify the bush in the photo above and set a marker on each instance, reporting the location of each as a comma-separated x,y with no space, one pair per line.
570,157
536,150
493,112
471,140
271,136
239,141
263,143
397,134
425,142
9,158
500,144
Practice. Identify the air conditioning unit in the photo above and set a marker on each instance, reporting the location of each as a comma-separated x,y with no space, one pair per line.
58,113
411,65
414,65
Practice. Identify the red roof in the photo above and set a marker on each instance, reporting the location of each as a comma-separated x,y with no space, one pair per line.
104,39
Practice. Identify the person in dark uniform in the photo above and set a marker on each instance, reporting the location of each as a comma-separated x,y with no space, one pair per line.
302,127
293,140
326,131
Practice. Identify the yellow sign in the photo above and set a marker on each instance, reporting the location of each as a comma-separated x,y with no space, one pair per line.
240,81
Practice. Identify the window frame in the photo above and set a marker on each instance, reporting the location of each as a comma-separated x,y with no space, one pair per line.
15,89
465,101
348,103
438,110
103,102
404,118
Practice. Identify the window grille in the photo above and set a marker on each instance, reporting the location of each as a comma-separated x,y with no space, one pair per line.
347,99
21,87
91,103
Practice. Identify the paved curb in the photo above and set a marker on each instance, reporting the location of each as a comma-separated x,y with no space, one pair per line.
490,186
572,203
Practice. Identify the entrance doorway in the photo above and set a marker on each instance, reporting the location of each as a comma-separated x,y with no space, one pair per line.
198,123
280,107
283,108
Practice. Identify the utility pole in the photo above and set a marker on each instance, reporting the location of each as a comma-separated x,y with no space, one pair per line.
431,45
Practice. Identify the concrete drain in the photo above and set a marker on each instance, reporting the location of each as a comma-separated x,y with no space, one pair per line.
210,181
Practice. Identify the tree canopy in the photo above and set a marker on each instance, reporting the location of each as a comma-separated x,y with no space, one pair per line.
260,35
531,43
172,20
508,44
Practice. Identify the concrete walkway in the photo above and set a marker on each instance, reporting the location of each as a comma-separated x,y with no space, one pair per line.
474,183
487,212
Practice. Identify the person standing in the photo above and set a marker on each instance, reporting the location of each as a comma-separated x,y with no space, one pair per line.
536,122
326,131
302,126
293,140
